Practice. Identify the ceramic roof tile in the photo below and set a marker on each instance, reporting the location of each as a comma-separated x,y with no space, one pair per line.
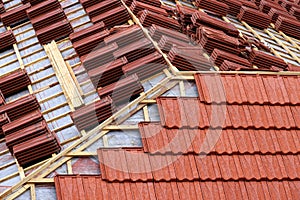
218,141
248,89
175,113
94,187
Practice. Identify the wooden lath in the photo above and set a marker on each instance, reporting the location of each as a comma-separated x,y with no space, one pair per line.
64,75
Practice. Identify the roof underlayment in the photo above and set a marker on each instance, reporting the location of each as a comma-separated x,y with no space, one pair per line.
59,93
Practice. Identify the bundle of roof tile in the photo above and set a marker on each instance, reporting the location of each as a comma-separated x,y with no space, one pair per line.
249,4
41,8
264,60
156,32
210,39
287,4
82,34
90,43
22,122
48,18
147,18
274,14
203,19
184,15
295,11
20,107
14,82
99,57
49,21
138,6
108,73
15,15
234,6
254,17
288,26
218,57
231,66
189,59
102,7
126,36
36,149
25,134
214,6
87,3
122,91
93,114
113,17
265,6
7,39
135,50
166,43
146,66
4,119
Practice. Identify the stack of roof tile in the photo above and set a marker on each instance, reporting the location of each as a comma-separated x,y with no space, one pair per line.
125,37
80,35
254,17
108,73
210,39
295,12
49,21
148,18
113,17
7,39
20,107
231,66
156,32
14,82
138,6
25,134
202,19
90,43
214,6
287,4
218,57
234,6
87,3
123,90
22,122
48,18
249,4
93,114
3,120
36,149
189,59
135,50
102,7
274,14
15,15
99,57
184,15
146,66
42,8
166,43
265,6
288,26
264,60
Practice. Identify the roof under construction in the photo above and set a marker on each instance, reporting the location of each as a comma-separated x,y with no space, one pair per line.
157,99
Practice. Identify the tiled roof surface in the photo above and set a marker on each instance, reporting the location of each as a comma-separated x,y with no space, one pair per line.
93,187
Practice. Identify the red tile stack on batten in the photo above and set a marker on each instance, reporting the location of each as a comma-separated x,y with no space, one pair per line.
214,6
15,15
